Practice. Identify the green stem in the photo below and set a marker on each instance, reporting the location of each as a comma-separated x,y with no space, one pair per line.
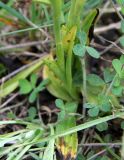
57,16
111,85
75,13
84,83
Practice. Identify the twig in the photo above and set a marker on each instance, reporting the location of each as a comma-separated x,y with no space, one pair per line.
11,107
111,45
22,45
116,10
9,100
97,154
107,28
101,144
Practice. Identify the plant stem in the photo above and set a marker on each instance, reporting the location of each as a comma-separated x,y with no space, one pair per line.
110,86
75,12
57,16
84,84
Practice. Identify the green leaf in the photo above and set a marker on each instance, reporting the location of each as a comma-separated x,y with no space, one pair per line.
32,113
95,80
42,85
117,91
117,66
122,59
122,41
59,103
33,96
82,36
25,86
122,26
33,80
108,75
71,107
79,50
122,124
49,151
105,158
117,82
93,112
92,52
105,107
2,69
88,105
61,115
102,127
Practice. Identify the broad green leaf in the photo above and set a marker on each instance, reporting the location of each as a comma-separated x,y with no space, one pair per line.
33,80
93,112
102,127
10,85
88,21
32,113
42,85
117,91
122,59
105,107
95,80
82,36
92,52
25,86
122,26
88,105
33,96
122,124
79,50
71,107
2,69
117,66
117,82
59,103
122,41
108,75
